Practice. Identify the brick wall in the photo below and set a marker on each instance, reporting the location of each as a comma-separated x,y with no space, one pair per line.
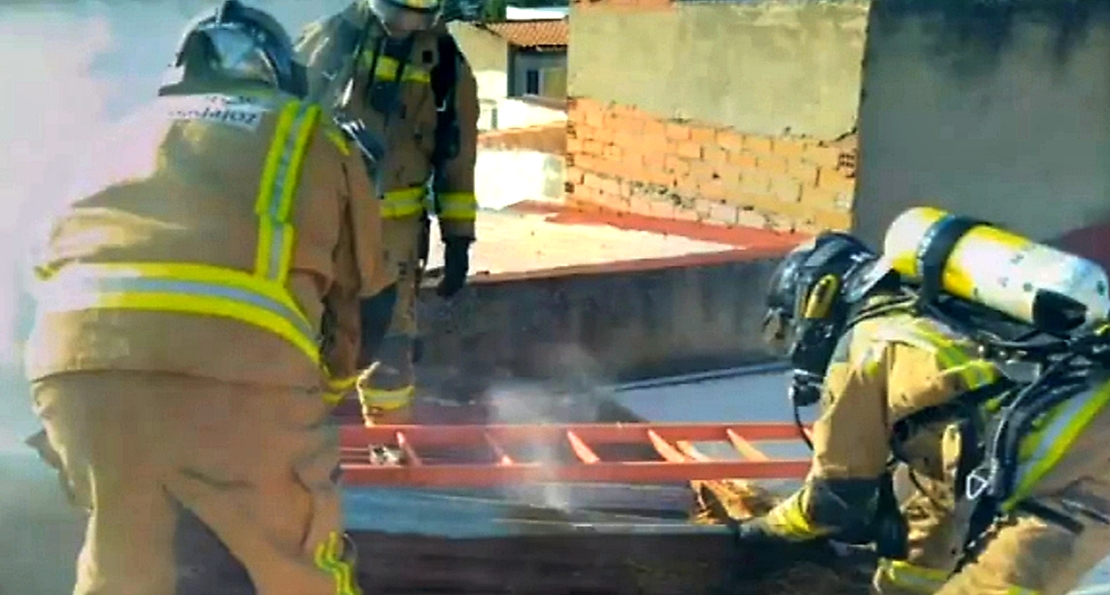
620,158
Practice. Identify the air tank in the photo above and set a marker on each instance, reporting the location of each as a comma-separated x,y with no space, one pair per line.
1029,281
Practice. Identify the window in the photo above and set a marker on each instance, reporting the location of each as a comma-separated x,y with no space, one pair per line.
531,82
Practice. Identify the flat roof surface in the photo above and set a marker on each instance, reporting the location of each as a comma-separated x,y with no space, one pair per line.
537,238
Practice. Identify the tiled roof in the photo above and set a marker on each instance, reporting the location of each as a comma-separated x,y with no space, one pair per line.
532,34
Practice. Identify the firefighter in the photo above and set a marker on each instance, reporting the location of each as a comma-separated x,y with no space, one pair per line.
907,397
180,360
392,66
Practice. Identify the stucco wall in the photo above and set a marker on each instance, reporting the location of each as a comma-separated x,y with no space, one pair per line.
488,56
764,68
1004,115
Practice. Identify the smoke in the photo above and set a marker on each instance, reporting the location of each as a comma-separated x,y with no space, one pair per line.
571,392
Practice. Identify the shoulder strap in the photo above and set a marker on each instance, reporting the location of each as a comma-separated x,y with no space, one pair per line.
445,75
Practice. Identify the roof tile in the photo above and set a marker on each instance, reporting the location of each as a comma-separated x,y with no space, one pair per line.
532,33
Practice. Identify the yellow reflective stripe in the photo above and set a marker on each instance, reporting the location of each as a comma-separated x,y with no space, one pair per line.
789,519
329,560
338,388
336,137
387,399
1049,444
460,206
1022,591
199,289
975,372
387,69
277,188
913,577
405,202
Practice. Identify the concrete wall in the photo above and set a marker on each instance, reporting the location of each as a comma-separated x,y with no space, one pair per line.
488,55
521,164
764,68
521,113
1002,114
731,114
623,320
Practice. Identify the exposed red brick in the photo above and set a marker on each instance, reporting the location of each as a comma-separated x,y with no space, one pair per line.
758,144
743,160
678,132
689,150
675,164
772,164
789,147
831,179
702,135
654,128
694,171
715,154
730,141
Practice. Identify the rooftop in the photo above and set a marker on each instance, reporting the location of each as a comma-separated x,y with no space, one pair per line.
535,33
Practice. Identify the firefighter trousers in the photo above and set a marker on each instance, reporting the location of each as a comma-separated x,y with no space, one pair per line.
937,521
387,387
195,486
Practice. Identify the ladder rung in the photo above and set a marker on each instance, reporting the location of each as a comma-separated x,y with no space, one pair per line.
744,447
502,457
581,449
410,452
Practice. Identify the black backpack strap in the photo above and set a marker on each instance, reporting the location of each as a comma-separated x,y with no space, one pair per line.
445,75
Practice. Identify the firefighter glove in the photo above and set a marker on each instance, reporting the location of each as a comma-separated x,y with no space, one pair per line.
756,537
456,265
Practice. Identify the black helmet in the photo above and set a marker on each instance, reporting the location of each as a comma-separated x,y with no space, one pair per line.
808,302
238,42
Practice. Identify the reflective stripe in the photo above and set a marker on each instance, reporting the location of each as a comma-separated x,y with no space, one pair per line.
974,371
405,202
338,388
261,299
789,520
1022,591
277,186
329,559
909,576
458,206
204,290
387,399
387,69
1042,449
336,137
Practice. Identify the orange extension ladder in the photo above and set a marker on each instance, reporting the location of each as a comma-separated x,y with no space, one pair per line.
449,456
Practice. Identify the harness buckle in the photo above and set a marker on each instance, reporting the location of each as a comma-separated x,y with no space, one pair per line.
978,482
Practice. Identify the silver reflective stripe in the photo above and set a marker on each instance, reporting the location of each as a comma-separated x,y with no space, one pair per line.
141,285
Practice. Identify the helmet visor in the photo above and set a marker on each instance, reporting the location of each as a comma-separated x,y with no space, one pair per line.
400,20
239,54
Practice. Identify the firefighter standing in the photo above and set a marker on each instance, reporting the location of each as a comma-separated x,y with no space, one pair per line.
906,399
407,81
176,359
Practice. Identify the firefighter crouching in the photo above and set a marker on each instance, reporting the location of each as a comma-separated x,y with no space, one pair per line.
175,360
392,65
969,476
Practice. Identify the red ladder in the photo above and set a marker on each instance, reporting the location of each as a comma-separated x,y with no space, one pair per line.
483,456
